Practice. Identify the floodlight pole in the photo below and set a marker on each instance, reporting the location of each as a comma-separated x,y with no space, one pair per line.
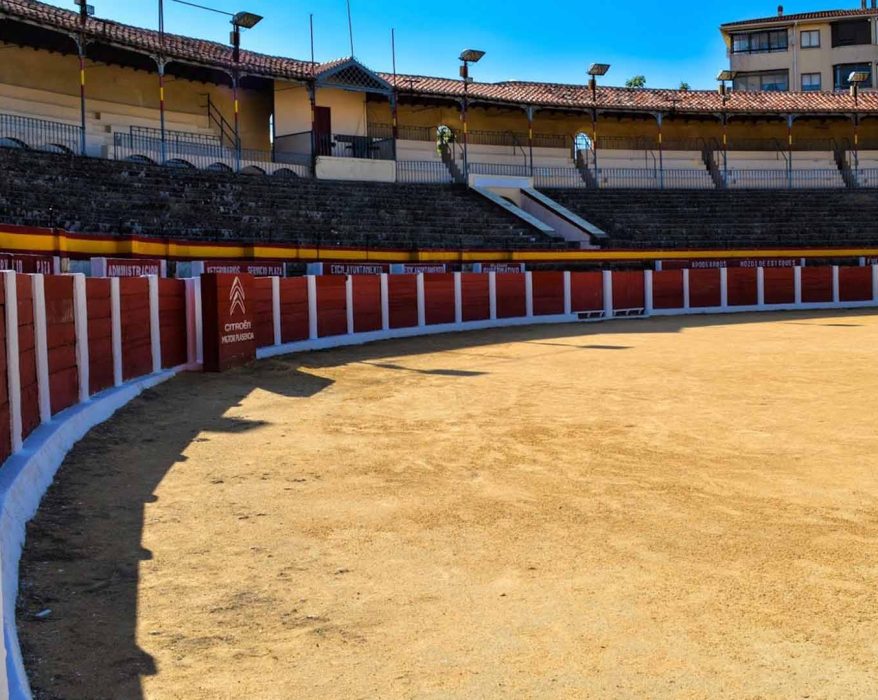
80,47
465,119
161,66
236,50
856,91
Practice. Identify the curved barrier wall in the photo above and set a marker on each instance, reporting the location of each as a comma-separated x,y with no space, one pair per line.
74,350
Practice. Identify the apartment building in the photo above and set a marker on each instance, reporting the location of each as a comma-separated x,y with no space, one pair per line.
808,52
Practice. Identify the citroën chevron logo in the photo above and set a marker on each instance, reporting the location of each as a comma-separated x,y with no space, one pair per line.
237,297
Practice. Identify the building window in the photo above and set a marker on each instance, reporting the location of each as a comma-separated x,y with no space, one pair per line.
843,71
770,81
811,82
811,39
760,42
852,32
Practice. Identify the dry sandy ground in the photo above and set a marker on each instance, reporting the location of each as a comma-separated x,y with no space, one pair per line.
662,508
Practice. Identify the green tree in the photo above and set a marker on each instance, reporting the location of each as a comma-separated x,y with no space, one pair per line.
638,81
685,86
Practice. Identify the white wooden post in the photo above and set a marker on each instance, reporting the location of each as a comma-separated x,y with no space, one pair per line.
80,317
760,286
422,301
312,307
194,320
608,293
275,308
155,329
687,295
875,283
568,293
529,294
385,302
116,324
41,346
349,303
797,281
458,298
724,287
836,287
648,292
13,368
492,295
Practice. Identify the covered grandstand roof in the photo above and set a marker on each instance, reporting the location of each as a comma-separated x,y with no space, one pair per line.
548,95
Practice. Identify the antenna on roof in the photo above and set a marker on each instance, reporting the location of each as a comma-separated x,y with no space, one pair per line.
313,64
351,28
393,51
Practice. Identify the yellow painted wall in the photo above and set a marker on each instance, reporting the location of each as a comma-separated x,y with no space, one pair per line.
110,88
293,110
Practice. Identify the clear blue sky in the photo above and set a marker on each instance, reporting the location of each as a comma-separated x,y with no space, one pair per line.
545,40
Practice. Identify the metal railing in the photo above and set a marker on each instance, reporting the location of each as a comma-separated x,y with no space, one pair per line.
351,146
784,179
627,143
505,169
189,153
682,179
558,178
867,178
423,171
40,134
178,137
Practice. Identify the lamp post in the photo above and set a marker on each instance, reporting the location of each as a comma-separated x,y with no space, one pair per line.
596,70
241,20
467,57
85,11
856,79
726,76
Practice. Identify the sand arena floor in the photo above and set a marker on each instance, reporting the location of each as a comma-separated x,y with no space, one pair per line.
665,508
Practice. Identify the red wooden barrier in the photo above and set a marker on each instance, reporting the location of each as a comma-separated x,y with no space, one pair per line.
628,290
511,301
136,340
367,303
587,291
61,343
855,283
403,300
667,289
742,286
475,294
816,284
780,285
439,298
294,309
100,334
263,312
5,428
30,395
704,288
548,293
332,314
172,322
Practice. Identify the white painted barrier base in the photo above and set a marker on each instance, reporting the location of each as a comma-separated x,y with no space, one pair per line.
25,478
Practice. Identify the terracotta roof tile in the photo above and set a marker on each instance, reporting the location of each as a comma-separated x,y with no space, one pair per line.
511,92
802,17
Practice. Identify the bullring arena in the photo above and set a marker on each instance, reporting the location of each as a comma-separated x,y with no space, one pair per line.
676,507
318,381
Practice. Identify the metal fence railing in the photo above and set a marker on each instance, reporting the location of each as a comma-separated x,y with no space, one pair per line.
558,178
200,154
40,134
423,171
503,169
353,146
867,178
779,179
673,179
